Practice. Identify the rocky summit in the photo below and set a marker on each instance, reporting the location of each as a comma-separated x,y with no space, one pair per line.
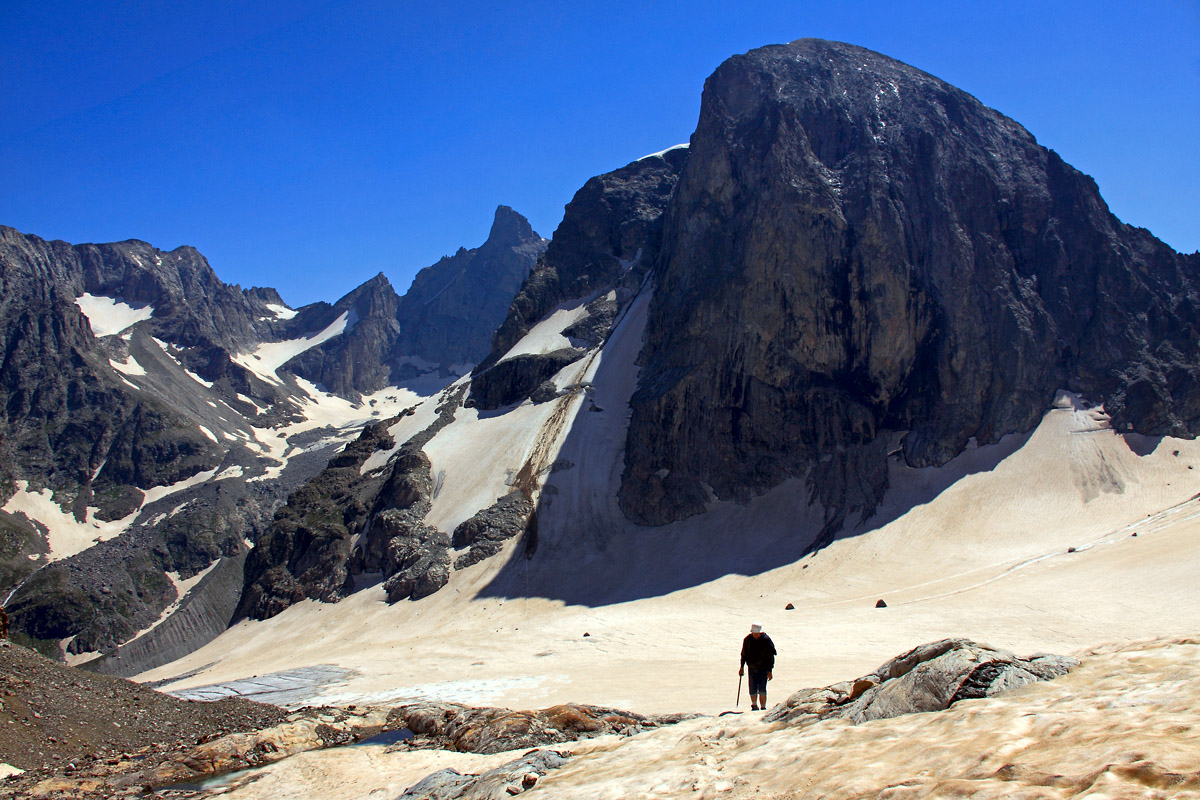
860,258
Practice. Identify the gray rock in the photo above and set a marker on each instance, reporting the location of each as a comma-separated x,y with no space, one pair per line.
470,729
485,532
446,317
452,308
514,777
511,381
931,677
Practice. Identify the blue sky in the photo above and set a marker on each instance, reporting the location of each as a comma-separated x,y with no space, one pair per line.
309,145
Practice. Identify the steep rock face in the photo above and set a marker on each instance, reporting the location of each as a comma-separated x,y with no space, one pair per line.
65,419
453,307
858,250
609,237
344,523
355,361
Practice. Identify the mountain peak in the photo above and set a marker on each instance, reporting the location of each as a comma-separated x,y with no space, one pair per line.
509,228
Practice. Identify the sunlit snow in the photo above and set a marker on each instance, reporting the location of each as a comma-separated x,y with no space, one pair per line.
270,356
129,366
664,152
282,312
109,316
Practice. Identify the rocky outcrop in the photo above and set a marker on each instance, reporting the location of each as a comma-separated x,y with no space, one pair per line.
931,677
516,378
354,362
858,252
305,552
451,726
344,524
485,533
444,320
66,421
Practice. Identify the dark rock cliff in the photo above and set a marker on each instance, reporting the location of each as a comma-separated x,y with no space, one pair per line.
611,226
858,250
608,240
66,420
355,361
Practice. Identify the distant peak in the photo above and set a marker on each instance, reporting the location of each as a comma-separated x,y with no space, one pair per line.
510,227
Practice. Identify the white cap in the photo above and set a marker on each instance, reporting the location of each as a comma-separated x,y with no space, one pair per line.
755,627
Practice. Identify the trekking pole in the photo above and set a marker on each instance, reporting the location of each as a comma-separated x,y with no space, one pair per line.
739,697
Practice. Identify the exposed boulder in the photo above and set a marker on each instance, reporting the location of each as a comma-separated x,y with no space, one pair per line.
451,726
931,677
513,777
858,251
417,560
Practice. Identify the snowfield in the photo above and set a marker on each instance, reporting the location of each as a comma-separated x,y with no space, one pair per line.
1057,540
109,316
270,356
1026,544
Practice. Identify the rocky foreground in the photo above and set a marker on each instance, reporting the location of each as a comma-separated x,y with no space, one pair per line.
1123,721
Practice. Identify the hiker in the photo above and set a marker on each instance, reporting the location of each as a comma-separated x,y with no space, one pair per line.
3,624
758,653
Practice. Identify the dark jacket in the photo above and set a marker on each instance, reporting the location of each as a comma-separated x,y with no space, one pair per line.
758,654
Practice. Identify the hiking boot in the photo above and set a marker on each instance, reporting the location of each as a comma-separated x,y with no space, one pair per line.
754,708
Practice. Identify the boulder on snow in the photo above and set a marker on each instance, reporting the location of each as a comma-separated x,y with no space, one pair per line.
508,779
931,677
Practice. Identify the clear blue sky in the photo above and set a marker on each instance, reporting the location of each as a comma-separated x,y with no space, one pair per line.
308,145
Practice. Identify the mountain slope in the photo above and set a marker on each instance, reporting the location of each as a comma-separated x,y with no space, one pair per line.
154,417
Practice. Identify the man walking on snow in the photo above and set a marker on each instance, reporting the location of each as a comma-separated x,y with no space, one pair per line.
758,653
